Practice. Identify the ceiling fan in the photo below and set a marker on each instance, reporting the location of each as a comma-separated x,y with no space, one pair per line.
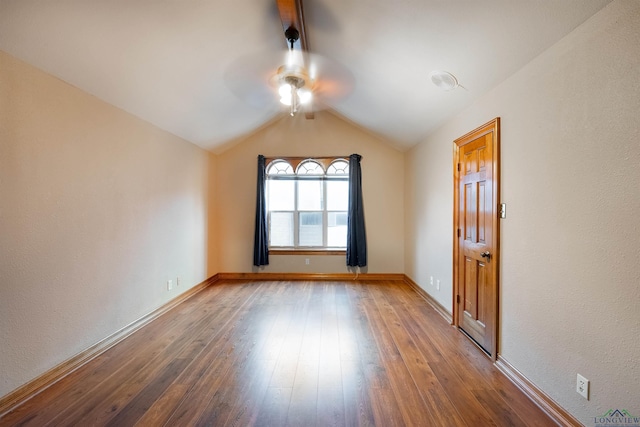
303,81
292,78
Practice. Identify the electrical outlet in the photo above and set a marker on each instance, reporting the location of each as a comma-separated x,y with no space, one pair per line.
582,386
438,285
306,261
169,284
431,280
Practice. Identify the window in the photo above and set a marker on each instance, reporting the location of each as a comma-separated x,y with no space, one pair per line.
307,206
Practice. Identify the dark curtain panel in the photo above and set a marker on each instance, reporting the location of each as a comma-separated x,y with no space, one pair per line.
261,239
356,236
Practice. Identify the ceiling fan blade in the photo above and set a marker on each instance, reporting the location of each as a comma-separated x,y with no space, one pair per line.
291,15
332,81
250,77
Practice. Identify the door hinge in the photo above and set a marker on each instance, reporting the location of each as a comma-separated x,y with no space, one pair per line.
458,167
458,232
457,299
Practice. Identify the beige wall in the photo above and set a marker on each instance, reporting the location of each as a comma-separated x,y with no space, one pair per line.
97,211
571,180
326,135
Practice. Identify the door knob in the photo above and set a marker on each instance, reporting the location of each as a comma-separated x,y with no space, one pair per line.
486,255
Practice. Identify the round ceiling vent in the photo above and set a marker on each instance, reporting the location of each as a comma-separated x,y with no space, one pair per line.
444,80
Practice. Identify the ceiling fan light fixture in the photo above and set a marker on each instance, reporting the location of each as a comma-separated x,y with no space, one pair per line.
444,80
285,93
294,86
304,95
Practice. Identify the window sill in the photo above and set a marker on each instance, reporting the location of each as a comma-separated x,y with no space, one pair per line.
327,251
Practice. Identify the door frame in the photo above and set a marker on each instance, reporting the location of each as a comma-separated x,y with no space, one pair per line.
491,126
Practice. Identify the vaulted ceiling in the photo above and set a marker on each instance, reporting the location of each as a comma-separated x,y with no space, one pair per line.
174,63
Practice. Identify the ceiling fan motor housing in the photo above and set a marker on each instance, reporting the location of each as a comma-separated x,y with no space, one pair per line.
292,35
294,75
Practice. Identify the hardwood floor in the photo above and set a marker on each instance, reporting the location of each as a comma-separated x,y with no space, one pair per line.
288,353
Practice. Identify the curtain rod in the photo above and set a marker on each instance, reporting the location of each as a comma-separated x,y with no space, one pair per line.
305,157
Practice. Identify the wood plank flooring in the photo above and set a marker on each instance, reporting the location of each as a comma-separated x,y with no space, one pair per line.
288,354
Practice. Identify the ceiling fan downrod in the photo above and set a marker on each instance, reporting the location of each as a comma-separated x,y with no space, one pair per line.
295,83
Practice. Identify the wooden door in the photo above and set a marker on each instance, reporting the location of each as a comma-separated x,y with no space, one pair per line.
475,270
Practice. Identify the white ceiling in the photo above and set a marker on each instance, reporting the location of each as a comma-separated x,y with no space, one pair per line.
169,61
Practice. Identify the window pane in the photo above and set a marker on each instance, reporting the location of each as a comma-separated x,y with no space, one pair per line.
279,167
310,233
337,195
280,195
337,229
309,195
281,229
338,167
310,167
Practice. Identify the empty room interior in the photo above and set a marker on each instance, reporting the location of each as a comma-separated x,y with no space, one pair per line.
184,243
